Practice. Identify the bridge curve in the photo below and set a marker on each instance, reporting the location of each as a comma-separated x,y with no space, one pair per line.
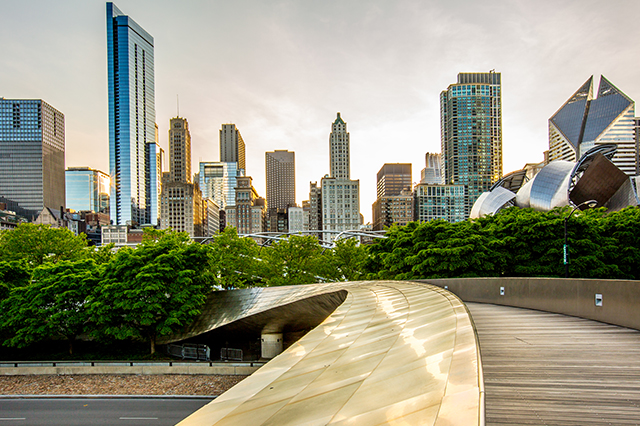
392,352
544,368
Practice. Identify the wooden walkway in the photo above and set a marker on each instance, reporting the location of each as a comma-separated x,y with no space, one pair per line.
550,369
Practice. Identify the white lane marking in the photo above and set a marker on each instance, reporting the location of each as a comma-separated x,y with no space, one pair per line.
12,418
138,418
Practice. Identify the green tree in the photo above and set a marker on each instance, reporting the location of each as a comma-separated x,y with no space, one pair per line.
624,227
348,259
15,273
53,305
233,260
295,260
461,249
529,242
152,290
514,242
41,243
388,257
102,254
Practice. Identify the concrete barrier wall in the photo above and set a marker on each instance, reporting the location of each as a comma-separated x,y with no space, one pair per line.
575,297
24,369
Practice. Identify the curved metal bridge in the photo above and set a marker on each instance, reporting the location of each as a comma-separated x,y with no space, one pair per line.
413,353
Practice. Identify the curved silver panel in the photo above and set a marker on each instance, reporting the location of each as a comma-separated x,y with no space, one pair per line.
491,202
624,197
550,186
475,210
523,197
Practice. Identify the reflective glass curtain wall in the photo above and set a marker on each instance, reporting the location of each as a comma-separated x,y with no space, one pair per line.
585,121
471,133
131,115
87,190
218,182
31,156
154,160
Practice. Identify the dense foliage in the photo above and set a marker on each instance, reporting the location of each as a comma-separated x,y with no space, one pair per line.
514,243
53,286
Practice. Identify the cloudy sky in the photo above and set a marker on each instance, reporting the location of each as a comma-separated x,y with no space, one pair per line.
280,70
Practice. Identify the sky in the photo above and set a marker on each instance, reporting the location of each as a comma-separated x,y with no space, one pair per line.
281,70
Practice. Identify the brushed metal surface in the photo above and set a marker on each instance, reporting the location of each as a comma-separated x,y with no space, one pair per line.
393,353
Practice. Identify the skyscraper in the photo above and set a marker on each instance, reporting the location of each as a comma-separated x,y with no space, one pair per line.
471,133
232,147
87,189
394,203
315,208
393,179
181,200
339,145
280,168
435,200
585,121
179,150
218,182
432,173
154,161
132,115
340,194
248,212
31,156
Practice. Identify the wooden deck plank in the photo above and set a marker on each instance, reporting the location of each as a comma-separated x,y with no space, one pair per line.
549,369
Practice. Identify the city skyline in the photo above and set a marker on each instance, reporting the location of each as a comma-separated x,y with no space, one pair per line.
281,71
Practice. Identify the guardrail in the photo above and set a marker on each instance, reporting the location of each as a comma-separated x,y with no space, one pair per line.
610,301
17,368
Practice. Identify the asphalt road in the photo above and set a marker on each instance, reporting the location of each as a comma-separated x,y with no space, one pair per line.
96,411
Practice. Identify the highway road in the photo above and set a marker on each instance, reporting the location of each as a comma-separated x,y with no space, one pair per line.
96,411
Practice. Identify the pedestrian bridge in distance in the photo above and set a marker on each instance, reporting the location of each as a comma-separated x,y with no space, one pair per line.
412,353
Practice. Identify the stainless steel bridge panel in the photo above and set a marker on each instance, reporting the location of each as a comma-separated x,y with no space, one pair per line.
392,353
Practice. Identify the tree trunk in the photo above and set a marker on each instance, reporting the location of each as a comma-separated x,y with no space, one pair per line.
70,346
153,344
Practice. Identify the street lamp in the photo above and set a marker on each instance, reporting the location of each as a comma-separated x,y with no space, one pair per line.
589,204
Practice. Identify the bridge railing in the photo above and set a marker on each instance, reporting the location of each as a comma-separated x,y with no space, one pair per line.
610,301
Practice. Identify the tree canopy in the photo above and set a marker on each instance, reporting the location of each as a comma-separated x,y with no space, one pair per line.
514,243
38,244
53,305
152,290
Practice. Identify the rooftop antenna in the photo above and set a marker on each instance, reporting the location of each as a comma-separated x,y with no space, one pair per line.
178,105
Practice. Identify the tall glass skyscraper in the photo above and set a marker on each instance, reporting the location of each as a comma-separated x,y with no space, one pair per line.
31,156
471,133
87,189
155,160
132,116
585,121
